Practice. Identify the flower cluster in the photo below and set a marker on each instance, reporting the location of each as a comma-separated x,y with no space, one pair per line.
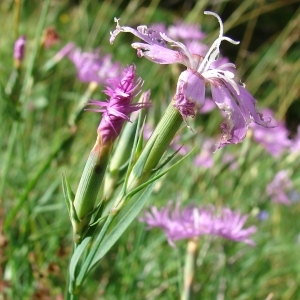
195,221
116,110
231,97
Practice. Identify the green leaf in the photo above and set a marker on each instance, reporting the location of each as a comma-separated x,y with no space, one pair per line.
76,258
153,179
140,164
133,209
67,191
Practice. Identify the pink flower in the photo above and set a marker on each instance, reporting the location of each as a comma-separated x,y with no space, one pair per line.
194,221
93,67
19,48
117,109
231,97
90,66
64,51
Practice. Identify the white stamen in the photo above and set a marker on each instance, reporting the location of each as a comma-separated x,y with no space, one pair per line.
116,20
219,20
214,50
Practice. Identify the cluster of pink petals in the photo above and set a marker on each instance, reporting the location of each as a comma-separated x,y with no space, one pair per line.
117,109
192,221
90,66
231,97
19,48
280,187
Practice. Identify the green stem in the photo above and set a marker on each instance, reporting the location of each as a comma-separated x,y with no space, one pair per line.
155,147
148,160
28,81
89,186
17,9
189,268
7,161
75,287
74,117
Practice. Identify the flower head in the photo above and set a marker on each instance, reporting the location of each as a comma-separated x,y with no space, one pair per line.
231,97
117,109
195,221
19,49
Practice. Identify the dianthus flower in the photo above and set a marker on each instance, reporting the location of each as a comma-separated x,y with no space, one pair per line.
195,221
117,109
231,97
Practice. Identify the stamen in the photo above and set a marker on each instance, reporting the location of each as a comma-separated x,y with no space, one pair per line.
214,50
116,20
219,20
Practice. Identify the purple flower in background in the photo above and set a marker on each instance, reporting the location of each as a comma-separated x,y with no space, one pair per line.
91,66
231,97
263,215
280,187
205,158
208,106
185,31
19,49
116,110
178,146
275,140
64,51
189,34
194,221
